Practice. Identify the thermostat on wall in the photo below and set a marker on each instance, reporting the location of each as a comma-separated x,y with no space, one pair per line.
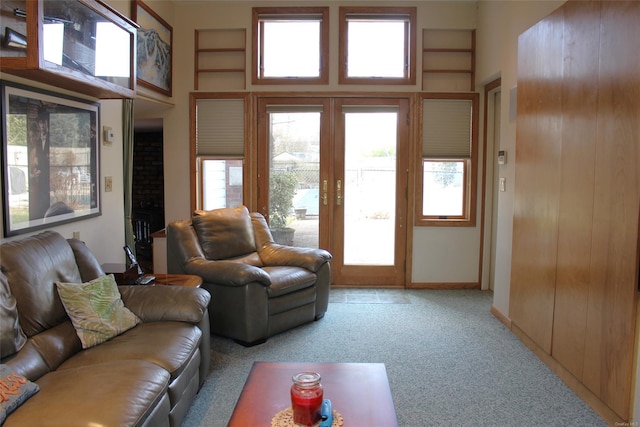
107,135
502,157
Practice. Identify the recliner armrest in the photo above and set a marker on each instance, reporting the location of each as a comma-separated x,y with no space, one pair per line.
226,273
273,254
157,303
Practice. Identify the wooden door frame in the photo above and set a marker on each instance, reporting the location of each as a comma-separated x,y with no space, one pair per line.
328,169
396,274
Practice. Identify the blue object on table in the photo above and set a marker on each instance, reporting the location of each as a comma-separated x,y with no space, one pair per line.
326,414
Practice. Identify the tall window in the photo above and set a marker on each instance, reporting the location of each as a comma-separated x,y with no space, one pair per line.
219,150
291,45
377,45
446,181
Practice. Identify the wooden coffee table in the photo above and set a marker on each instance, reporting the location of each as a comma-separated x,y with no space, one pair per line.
358,391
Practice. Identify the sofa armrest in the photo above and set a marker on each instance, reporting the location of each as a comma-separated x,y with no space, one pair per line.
88,265
157,303
312,259
226,273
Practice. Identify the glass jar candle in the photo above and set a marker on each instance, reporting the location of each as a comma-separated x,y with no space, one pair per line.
306,398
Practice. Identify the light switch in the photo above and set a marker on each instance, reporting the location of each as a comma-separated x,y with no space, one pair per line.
108,184
503,184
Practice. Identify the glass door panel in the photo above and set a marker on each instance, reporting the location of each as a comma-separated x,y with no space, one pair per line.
334,170
294,176
370,188
370,162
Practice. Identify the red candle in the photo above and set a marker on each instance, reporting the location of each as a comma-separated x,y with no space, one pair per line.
306,398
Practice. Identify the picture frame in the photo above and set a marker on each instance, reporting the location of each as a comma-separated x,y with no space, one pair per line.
154,46
50,159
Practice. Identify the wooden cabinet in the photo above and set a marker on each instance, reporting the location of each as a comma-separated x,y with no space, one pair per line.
577,195
80,45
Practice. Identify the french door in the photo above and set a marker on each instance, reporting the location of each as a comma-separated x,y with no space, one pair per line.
346,160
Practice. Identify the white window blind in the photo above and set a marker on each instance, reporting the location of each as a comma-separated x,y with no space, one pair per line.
446,128
220,127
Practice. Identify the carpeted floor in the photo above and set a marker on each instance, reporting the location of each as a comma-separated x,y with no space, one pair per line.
449,362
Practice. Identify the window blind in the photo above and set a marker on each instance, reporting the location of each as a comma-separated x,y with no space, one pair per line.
446,128
220,127
378,17
284,17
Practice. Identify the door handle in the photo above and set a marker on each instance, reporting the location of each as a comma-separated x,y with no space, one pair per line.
339,192
325,198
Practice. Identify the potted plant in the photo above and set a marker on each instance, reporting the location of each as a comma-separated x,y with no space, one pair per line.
282,188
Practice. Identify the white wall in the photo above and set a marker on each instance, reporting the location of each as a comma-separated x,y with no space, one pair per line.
441,254
104,234
455,250
499,25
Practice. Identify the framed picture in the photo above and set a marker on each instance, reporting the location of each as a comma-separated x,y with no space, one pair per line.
154,49
50,159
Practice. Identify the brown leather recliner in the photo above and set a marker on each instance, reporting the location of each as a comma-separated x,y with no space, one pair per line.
258,288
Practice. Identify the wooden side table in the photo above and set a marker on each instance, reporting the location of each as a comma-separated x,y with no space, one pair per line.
188,280
124,275
121,273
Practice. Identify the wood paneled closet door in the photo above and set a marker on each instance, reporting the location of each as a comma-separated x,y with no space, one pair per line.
577,193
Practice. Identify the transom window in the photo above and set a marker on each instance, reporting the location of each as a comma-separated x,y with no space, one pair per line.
377,45
291,45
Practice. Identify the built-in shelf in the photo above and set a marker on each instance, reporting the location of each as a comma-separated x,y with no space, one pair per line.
448,60
220,59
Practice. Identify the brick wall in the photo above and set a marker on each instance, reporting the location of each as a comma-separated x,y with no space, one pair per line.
148,171
148,194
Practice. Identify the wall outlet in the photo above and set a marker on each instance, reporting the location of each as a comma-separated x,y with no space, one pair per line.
108,184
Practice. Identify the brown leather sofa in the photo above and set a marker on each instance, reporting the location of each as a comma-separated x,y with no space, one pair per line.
146,376
258,288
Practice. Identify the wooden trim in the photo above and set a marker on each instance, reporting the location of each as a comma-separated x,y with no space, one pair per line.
410,72
444,285
414,150
366,286
472,78
501,316
257,29
488,88
193,163
196,65
135,4
572,382
471,183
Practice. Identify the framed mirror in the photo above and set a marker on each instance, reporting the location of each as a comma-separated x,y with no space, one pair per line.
50,159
